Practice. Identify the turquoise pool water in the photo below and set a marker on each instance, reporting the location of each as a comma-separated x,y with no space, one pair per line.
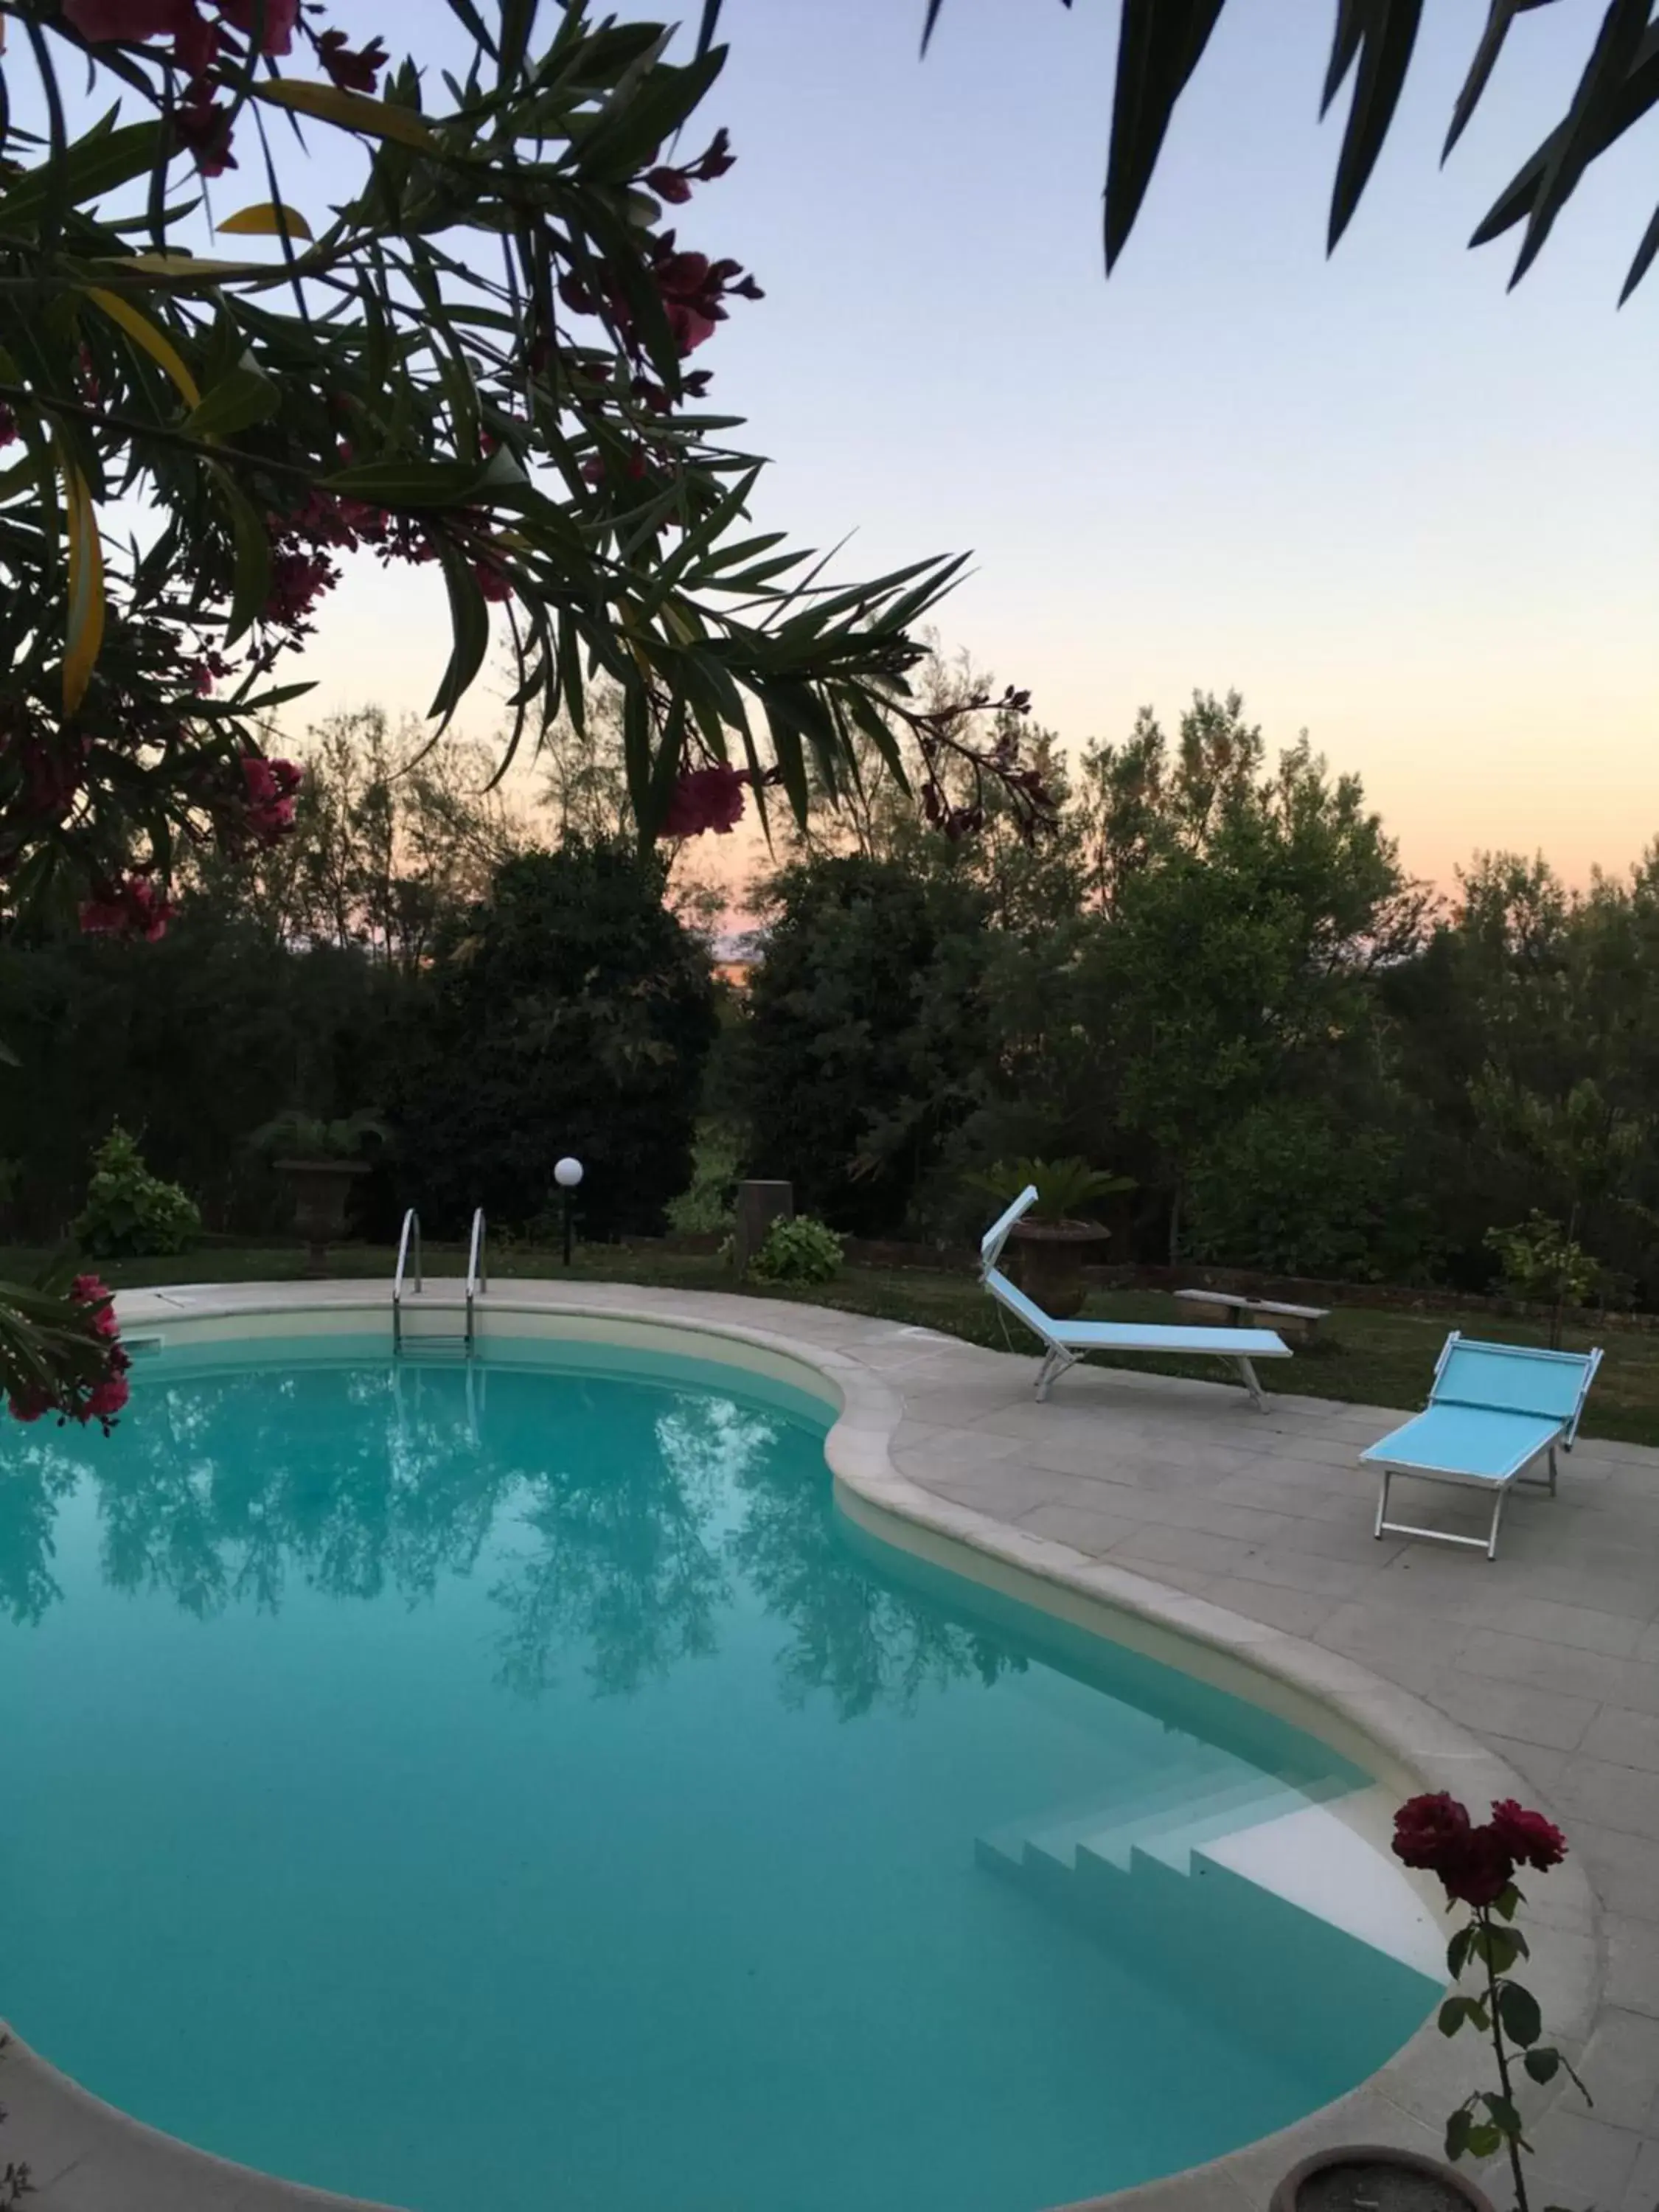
520,1790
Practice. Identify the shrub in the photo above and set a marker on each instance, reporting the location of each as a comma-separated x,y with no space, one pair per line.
703,1208
799,1251
1295,1189
1542,1263
130,1213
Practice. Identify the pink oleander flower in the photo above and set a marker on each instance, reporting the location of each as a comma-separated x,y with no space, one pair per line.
277,26
130,907
202,127
270,786
92,1291
706,799
353,70
107,1399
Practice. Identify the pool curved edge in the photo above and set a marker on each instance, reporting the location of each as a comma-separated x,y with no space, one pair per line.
87,2156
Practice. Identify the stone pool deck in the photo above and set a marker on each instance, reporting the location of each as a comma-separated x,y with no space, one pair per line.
1251,1531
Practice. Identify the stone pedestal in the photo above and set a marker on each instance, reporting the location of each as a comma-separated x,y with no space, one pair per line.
759,1205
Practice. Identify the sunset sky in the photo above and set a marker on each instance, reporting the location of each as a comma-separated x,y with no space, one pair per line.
1386,500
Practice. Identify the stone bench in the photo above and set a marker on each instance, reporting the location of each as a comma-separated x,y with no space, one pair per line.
1299,1323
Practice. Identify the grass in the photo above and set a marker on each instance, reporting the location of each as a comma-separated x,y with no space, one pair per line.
1369,1356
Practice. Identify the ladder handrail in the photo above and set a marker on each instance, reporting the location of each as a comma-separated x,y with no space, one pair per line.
478,1277
411,1221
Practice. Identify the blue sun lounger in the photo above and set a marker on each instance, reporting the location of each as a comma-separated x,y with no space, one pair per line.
1494,1409
1065,1341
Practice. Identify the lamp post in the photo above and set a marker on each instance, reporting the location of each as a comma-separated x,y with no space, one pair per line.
566,1173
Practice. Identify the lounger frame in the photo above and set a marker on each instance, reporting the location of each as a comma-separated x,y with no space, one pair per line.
1499,1481
1237,1348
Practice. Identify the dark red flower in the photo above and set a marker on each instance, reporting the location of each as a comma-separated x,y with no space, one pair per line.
1480,1871
278,18
195,43
271,788
1528,1836
689,300
353,69
298,581
672,185
130,907
203,128
706,799
92,1291
718,159
107,1399
1430,1832
493,581
7,426
692,287
99,22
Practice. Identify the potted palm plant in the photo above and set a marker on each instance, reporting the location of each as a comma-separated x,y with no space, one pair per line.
1054,1240
321,1161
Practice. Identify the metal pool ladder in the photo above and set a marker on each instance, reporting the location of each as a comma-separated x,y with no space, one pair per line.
478,1282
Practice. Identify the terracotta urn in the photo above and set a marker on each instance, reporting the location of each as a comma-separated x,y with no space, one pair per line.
1370,2175
320,1189
1051,1258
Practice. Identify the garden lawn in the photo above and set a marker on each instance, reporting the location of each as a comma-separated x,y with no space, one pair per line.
1369,1356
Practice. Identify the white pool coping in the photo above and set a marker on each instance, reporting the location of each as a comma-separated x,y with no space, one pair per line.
85,2156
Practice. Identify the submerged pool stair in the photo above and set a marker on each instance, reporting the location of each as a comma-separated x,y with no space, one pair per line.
437,1343
1222,1883
1177,1810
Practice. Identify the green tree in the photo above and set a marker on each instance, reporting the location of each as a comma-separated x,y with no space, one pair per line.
1245,912
568,1012
1310,1186
865,1041
584,787
1578,1152
1526,993
395,835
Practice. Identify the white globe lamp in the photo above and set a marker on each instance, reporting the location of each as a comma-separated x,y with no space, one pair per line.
566,1173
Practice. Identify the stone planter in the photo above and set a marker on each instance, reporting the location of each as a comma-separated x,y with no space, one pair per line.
320,1189
758,1206
1052,1255
1381,2179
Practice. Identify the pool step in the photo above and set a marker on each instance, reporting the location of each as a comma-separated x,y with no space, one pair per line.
1185,1805
1241,1855
1334,1870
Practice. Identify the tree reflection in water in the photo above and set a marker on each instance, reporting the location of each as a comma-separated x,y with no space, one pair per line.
221,1490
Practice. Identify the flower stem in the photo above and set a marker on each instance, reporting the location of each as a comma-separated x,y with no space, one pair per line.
1483,1915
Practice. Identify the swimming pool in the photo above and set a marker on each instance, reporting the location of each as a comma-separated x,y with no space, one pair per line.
514,1784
